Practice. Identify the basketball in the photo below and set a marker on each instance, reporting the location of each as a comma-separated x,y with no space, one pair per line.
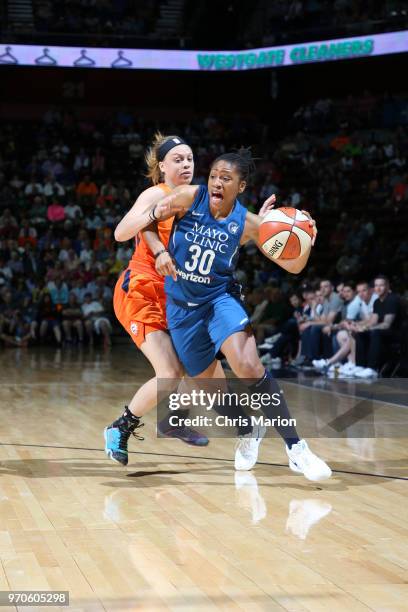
285,233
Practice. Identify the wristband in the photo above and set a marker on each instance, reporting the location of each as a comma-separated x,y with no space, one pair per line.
152,216
159,253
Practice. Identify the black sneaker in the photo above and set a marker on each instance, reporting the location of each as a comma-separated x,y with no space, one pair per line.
117,436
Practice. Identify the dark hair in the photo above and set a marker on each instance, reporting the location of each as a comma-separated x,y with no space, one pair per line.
350,284
382,277
243,161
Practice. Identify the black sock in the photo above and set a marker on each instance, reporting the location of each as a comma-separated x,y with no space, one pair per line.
130,416
128,419
268,384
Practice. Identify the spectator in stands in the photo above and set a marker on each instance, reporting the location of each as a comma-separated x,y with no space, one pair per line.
27,234
98,162
312,330
82,161
48,319
286,337
33,188
59,293
342,341
96,320
275,313
374,334
79,290
53,189
108,191
8,224
73,211
72,319
87,191
55,212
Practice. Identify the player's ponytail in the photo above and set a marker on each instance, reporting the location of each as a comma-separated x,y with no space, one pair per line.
242,160
152,157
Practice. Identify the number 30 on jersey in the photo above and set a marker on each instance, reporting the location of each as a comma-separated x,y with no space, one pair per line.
203,260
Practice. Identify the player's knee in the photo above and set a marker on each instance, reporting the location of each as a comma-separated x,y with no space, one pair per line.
171,371
248,368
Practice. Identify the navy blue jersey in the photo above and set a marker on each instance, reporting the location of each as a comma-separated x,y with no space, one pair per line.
205,251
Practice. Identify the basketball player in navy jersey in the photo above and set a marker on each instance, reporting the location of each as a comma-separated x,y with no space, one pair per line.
203,318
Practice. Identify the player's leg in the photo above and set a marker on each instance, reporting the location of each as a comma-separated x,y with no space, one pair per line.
158,349
240,350
239,347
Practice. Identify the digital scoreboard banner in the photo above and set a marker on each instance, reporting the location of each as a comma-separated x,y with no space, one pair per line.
205,61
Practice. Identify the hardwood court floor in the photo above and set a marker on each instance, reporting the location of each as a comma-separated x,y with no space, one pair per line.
178,529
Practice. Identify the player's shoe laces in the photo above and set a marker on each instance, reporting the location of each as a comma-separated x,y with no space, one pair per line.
303,461
246,450
117,436
184,433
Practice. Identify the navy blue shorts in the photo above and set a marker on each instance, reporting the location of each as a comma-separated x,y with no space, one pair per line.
199,332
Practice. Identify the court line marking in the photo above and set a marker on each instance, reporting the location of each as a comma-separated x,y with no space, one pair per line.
101,450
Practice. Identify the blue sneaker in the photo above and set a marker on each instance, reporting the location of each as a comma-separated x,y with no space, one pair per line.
185,434
117,436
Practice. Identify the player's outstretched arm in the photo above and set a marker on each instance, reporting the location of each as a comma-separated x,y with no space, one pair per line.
151,206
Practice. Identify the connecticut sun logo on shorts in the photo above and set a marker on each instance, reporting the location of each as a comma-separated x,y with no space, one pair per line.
134,328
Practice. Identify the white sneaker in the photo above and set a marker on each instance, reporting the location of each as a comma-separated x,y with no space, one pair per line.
305,513
303,461
266,345
320,364
366,373
348,368
275,363
246,451
266,359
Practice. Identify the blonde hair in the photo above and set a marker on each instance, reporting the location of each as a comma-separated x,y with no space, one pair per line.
153,170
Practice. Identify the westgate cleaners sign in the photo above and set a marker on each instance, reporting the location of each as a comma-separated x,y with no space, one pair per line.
158,59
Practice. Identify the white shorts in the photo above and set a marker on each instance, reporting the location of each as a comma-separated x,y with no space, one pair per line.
97,324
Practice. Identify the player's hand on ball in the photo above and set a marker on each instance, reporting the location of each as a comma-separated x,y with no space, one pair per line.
267,205
165,266
312,224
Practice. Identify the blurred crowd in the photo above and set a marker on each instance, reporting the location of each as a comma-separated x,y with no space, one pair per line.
262,23
281,21
65,182
96,16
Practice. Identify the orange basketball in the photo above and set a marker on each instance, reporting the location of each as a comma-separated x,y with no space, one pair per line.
285,233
